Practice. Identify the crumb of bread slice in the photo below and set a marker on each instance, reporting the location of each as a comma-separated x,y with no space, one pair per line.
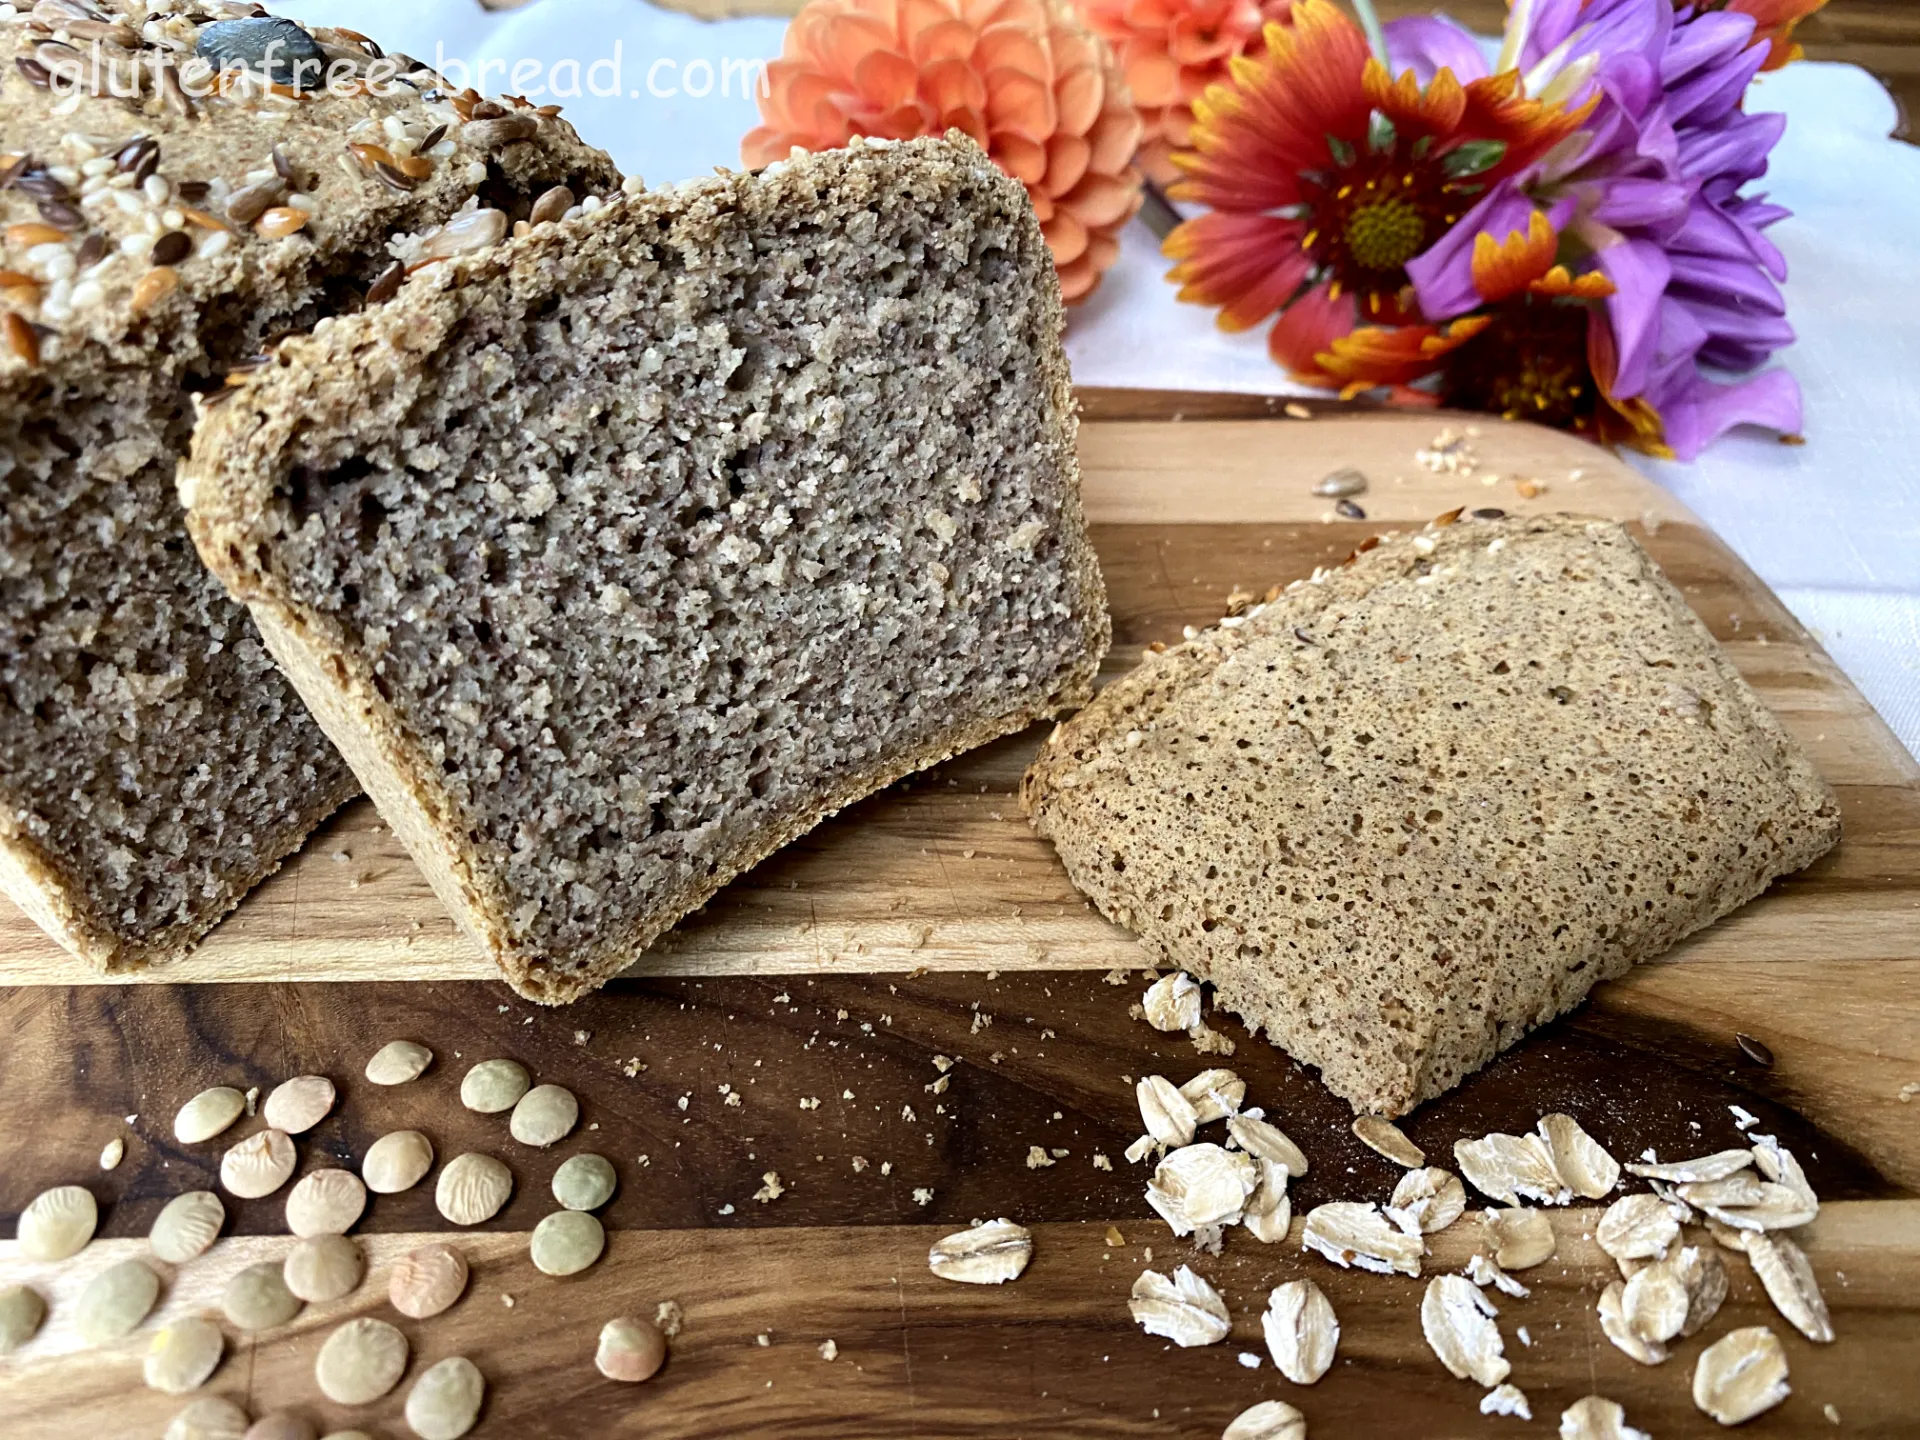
1405,812
617,558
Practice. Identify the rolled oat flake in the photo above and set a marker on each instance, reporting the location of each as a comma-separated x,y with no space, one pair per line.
186,1226
567,1242
257,1298
631,1349
115,1301
545,1115
361,1361
494,1085
584,1182
445,1401
322,1268
182,1356
397,1162
209,1418
398,1061
57,1223
22,1311
207,1114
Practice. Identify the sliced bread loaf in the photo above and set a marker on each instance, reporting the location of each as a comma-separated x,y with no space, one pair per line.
620,556
1409,810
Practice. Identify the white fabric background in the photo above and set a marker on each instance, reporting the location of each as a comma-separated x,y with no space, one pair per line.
1833,527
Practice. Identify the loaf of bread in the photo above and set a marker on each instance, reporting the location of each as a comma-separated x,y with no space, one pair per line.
618,557
1409,810
160,225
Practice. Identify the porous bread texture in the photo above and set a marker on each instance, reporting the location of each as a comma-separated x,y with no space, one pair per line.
619,557
154,763
1406,812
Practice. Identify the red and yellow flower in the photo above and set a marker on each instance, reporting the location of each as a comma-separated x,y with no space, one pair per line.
1773,22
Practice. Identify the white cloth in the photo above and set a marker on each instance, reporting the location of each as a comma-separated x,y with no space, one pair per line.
1833,527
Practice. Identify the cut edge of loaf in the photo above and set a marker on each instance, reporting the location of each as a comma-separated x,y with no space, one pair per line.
337,684
1164,677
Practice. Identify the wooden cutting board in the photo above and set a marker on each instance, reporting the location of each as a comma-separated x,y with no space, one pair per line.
792,1028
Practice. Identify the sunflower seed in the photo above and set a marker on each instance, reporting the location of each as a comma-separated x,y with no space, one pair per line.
1594,1417
1342,483
57,1223
1741,1375
1520,1239
472,1188
1506,1399
360,1362
1583,1163
22,1311
631,1349
1168,1115
1269,1211
1214,1095
1350,1233
1265,1141
327,1202
1637,1227
426,1281
1202,1185
585,1182
445,1401
299,1104
1654,1300
1784,1270
207,1114
1510,1168
399,1061
493,134
1704,1167
258,1165
989,1254
186,1226
208,1418
567,1242
493,1085
323,1268
1427,1201
396,1162
1173,1002
1458,1321
247,205
115,1301
1185,1309
1383,1137
1302,1331
182,1356
257,1298
544,1116
1753,1049
1269,1420
1348,510
1617,1328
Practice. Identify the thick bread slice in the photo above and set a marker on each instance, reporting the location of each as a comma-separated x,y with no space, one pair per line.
1409,810
617,558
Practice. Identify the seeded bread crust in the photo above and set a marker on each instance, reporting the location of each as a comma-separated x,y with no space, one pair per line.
1408,811
345,414
154,764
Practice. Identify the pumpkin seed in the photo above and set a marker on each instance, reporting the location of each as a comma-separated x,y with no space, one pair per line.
544,1116
326,1202
398,1061
207,1114
631,1349
1458,1321
22,1311
266,45
1741,1375
426,1282
299,1104
257,1298
494,1085
991,1253
585,1182
210,1418
396,1162
1269,1420
445,1401
1184,1308
115,1301
472,1188
360,1361
258,1165
567,1242
1302,1331
323,1268
1383,1137
57,1223
182,1356
186,1226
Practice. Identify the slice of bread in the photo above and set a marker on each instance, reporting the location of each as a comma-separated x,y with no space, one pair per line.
1409,810
618,557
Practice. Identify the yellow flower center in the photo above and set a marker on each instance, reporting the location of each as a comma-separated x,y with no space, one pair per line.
1385,234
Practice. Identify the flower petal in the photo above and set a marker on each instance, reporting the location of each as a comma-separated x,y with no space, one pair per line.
1639,271
1249,265
1443,275
1306,329
1426,43
1503,268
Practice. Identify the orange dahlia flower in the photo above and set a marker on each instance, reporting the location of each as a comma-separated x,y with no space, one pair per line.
1325,176
1171,50
1025,78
